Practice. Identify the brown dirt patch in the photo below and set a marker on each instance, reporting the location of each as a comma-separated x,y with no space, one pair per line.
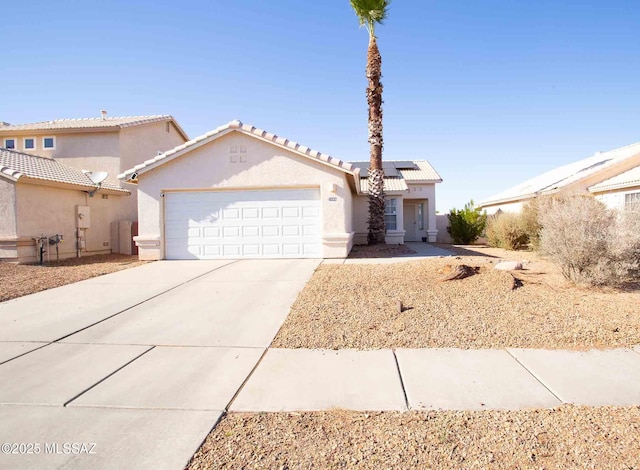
355,306
566,437
17,280
380,251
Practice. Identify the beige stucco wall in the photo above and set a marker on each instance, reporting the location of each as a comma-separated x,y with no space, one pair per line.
48,210
266,166
140,143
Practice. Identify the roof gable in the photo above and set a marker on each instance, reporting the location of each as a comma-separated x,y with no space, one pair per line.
565,175
238,126
16,165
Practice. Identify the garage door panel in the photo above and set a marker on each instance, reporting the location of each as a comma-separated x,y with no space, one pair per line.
248,224
271,231
270,213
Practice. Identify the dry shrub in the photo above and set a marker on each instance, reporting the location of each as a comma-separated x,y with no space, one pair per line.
505,230
530,222
592,244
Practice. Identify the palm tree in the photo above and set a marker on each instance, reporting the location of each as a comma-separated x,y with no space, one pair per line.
370,13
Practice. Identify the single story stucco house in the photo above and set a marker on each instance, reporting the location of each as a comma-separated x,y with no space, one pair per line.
612,177
242,192
42,199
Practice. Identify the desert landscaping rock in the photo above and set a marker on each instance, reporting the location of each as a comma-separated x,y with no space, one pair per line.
564,437
509,266
355,306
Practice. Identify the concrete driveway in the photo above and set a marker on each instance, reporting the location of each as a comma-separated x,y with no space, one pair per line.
133,369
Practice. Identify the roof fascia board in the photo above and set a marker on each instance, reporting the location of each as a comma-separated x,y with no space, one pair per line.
78,187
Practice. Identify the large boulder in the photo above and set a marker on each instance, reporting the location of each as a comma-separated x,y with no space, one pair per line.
509,266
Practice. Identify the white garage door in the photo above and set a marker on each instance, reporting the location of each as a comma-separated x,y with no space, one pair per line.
243,224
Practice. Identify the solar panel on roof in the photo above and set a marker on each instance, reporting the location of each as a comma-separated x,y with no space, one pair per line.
405,165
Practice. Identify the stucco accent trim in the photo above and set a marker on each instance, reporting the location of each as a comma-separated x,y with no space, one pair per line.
147,241
337,245
15,242
394,237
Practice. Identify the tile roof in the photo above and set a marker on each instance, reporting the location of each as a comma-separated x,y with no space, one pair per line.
564,175
90,123
627,179
390,185
16,165
246,129
398,173
416,170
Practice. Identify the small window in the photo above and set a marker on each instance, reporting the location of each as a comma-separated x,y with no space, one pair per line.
29,143
48,142
168,127
390,211
632,200
10,143
421,216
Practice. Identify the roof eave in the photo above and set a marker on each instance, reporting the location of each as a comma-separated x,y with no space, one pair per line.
79,187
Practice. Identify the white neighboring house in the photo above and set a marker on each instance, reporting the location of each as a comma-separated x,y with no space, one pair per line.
241,192
622,190
612,177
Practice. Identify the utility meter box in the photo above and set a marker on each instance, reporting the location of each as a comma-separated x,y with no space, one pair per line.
83,216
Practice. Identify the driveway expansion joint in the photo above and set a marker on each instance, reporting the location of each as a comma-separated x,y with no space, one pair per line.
145,301
107,376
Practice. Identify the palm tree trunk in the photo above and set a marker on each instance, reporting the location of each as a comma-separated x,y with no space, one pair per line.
376,174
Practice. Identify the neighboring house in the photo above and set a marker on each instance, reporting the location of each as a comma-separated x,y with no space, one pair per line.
41,199
110,144
611,176
241,192
622,190
92,145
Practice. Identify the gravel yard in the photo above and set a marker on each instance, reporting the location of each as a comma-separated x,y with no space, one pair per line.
379,251
356,306
17,280
566,437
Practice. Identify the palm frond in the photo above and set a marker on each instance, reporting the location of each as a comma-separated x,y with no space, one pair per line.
371,12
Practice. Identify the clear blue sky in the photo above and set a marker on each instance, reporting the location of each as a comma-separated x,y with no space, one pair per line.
490,92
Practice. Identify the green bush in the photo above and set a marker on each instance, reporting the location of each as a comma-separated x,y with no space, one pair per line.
466,225
506,230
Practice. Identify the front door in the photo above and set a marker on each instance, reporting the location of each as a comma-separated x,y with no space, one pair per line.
410,222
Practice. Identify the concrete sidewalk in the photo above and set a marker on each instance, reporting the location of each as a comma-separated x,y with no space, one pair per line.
440,379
